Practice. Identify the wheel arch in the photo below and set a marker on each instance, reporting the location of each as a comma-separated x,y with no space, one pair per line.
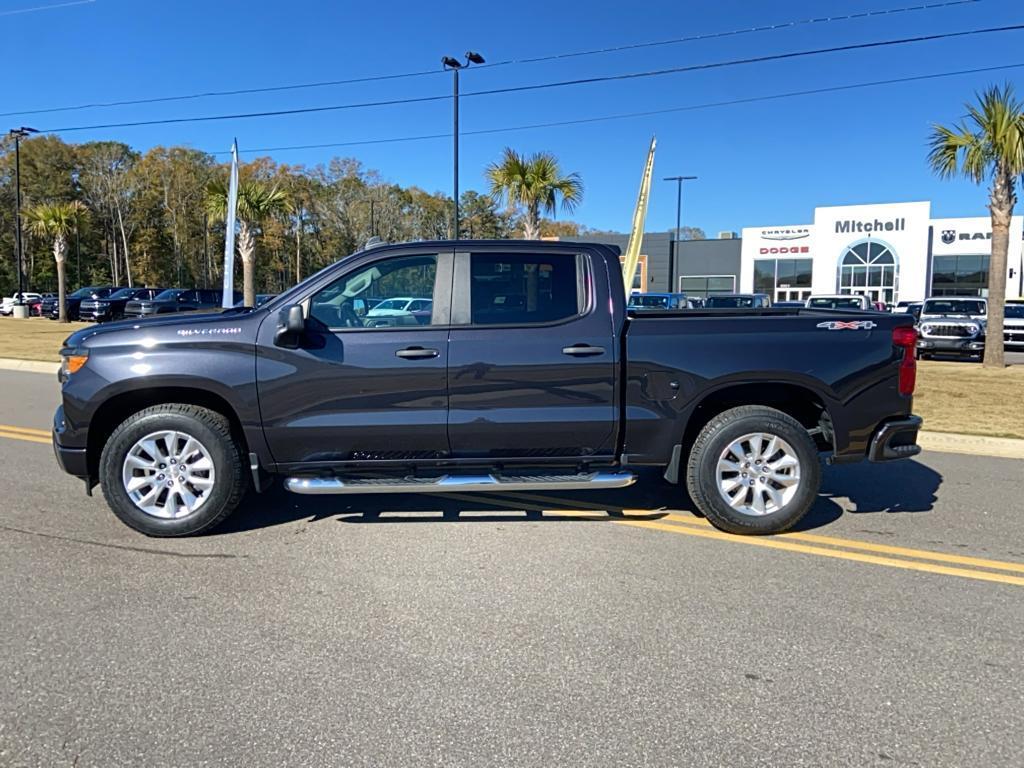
804,404
122,405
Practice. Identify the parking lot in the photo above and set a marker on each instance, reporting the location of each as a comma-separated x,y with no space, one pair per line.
572,629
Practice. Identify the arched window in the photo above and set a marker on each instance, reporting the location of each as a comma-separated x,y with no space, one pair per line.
869,267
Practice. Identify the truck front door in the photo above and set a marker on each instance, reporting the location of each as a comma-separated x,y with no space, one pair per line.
532,358
363,387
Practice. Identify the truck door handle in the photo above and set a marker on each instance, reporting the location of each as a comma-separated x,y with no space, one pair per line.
582,350
416,353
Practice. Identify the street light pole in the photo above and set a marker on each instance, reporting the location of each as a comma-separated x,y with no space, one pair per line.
675,242
450,62
19,134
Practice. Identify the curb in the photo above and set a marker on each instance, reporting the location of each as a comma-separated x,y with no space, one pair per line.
975,445
28,366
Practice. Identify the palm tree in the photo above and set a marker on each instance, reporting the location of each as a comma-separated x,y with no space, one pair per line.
57,221
536,183
257,201
989,141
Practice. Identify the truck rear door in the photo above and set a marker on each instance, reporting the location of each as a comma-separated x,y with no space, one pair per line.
532,356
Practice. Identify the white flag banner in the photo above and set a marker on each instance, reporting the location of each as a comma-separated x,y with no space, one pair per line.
229,231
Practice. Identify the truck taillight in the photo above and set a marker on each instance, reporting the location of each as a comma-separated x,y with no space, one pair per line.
905,337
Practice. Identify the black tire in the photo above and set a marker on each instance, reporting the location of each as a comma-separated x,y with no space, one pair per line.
923,355
213,430
702,480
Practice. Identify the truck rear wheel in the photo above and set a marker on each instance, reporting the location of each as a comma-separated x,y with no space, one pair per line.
172,470
753,470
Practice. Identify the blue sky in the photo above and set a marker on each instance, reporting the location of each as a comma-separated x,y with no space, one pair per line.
759,163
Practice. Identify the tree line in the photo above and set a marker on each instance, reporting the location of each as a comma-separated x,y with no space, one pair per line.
154,218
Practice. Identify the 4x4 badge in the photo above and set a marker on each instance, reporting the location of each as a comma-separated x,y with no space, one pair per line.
848,325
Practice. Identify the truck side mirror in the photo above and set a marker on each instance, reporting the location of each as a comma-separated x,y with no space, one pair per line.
290,325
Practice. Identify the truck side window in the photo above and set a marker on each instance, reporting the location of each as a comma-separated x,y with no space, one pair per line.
390,293
522,288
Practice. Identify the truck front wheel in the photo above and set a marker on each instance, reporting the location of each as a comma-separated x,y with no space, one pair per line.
172,470
753,470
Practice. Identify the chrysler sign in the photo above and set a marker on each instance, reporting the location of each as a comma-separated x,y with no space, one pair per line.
785,233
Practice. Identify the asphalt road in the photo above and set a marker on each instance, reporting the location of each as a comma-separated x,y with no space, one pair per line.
494,631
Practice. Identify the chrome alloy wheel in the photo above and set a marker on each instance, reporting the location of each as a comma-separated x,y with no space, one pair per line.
168,474
758,474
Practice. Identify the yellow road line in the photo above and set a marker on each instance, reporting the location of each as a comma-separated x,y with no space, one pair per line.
26,430
702,529
788,546
26,437
813,538
867,546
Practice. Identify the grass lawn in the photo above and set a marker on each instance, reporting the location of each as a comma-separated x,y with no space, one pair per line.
952,397
37,338
966,398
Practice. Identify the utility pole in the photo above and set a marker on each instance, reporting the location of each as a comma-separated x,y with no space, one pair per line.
206,248
672,288
19,134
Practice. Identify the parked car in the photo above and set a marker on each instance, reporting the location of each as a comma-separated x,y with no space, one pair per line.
840,301
910,308
1013,326
657,301
112,307
403,305
51,307
737,301
555,387
177,300
26,297
261,299
952,325
35,306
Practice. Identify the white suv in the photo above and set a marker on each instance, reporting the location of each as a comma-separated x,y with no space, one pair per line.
952,325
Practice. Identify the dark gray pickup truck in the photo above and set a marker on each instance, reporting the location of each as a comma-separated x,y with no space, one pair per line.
525,372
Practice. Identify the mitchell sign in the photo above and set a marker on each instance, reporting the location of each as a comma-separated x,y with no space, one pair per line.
851,225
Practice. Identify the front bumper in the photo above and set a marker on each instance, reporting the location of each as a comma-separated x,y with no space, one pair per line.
74,461
895,439
968,346
94,313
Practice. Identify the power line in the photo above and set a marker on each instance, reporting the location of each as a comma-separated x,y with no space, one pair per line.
646,113
732,33
537,59
53,7
544,86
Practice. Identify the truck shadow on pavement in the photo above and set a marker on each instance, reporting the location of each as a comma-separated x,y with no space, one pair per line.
904,486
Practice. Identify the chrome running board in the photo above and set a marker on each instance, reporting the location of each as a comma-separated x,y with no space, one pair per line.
460,483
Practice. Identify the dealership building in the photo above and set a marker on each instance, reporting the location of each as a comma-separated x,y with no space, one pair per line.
890,252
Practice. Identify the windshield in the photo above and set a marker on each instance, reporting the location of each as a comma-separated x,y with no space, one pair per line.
124,293
1015,311
953,307
727,302
168,295
84,293
837,303
648,301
